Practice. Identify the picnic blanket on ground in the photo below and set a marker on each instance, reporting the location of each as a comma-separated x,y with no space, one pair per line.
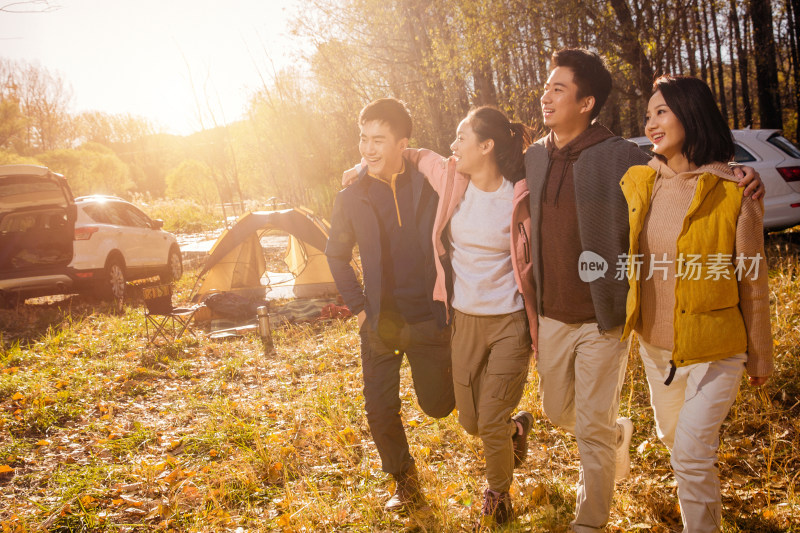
232,311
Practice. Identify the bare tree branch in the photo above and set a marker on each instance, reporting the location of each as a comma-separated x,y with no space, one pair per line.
30,6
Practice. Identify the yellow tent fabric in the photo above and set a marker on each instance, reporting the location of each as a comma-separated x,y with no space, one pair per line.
236,263
239,270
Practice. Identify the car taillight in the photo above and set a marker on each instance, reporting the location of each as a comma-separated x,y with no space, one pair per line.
789,173
85,233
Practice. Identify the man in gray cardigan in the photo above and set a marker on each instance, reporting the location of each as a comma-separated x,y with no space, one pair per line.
579,232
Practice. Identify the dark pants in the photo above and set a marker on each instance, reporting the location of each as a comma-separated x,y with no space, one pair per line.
428,350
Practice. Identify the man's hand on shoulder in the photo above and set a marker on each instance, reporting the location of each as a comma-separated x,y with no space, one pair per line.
751,181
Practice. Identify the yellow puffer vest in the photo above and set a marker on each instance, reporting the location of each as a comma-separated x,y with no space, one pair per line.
708,323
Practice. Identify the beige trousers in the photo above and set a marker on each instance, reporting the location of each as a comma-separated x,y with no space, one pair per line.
580,377
490,366
689,413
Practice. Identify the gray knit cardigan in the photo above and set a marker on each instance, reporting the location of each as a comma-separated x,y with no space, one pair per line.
602,217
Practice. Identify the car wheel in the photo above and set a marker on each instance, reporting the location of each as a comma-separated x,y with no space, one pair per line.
112,285
174,268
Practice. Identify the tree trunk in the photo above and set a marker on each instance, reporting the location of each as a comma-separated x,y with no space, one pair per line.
796,11
769,103
634,118
742,60
700,44
420,45
734,99
485,92
796,25
614,122
504,72
791,13
631,48
720,64
689,43
711,75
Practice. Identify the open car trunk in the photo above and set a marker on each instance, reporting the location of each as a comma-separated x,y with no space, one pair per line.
37,227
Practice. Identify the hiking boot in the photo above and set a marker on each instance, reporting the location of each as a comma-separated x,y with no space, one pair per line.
496,509
622,467
520,441
406,492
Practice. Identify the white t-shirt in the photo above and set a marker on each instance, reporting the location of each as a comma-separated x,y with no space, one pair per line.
483,277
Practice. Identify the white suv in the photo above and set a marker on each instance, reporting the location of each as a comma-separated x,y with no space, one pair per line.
777,160
116,242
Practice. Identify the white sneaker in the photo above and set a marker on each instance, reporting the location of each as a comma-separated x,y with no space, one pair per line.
623,459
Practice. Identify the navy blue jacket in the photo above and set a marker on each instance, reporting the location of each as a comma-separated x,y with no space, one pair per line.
355,222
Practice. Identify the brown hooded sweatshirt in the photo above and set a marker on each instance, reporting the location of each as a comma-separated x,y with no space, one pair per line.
565,297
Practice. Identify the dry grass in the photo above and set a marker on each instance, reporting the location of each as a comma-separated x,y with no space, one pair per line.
98,433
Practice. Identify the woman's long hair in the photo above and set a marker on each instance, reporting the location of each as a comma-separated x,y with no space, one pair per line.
510,139
708,137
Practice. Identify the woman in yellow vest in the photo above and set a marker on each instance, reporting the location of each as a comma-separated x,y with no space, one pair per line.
698,297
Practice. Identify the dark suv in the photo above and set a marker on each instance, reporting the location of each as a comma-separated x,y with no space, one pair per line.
37,227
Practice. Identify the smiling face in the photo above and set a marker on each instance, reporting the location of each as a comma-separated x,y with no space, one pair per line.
562,108
381,148
470,153
664,129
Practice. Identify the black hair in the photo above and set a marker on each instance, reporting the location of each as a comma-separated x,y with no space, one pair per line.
589,72
510,139
390,111
708,137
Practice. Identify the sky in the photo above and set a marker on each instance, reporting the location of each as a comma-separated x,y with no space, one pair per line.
141,56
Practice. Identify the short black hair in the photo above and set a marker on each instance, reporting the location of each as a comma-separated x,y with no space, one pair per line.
390,111
590,74
708,137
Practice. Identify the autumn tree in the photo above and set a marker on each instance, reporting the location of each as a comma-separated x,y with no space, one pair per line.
12,123
192,180
44,99
296,148
92,169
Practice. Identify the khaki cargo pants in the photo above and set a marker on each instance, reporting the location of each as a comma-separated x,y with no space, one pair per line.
490,366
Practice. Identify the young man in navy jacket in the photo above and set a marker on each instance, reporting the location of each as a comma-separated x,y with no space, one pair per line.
389,213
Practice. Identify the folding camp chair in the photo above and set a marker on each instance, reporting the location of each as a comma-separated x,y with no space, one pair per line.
161,318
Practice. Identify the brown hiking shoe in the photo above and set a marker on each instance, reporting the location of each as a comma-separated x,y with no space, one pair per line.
496,509
521,440
407,494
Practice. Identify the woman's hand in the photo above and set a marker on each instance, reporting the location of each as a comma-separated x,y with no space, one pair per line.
349,176
757,381
751,180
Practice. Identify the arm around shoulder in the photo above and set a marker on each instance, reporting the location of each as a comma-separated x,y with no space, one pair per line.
433,166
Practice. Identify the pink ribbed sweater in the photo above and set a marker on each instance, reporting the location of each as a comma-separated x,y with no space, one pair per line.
672,195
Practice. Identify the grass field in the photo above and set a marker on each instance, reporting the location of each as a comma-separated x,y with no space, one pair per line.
99,433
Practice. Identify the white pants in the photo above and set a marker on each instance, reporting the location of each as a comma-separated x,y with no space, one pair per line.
689,413
580,378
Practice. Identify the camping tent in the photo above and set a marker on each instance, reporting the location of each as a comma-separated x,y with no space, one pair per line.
236,262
